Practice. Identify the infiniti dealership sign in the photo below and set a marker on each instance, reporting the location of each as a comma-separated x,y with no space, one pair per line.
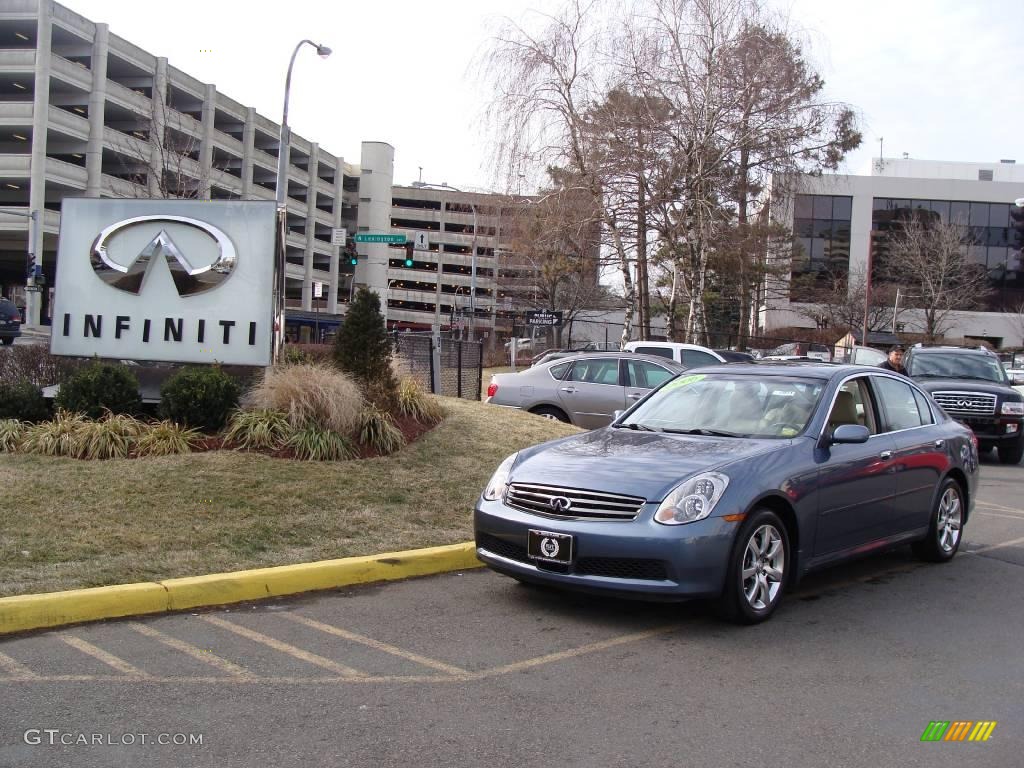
172,280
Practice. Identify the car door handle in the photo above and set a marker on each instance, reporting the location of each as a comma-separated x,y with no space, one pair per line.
939,443
570,390
635,396
885,455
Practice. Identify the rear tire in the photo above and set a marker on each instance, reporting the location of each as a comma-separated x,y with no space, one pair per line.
549,412
8,340
946,528
758,569
1011,454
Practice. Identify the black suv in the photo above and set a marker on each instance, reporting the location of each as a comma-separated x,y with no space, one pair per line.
972,387
10,322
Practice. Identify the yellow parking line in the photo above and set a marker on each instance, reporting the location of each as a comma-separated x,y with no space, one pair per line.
277,645
376,644
16,668
196,653
573,652
107,658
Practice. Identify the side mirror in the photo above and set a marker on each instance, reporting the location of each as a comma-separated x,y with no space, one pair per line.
850,433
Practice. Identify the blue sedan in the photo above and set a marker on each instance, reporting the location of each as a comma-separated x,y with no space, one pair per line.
732,483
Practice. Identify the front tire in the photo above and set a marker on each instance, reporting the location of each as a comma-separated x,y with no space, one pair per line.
946,528
7,340
756,578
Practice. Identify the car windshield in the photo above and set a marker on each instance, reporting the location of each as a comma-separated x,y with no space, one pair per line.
730,406
953,366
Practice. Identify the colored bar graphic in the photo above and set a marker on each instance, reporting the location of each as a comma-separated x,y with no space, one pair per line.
959,730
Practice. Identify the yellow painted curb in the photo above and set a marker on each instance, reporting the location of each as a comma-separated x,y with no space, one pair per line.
52,609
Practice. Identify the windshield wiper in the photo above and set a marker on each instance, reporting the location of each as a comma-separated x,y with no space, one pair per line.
635,426
708,432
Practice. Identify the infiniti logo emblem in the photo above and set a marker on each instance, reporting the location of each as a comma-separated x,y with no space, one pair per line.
188,278
560,504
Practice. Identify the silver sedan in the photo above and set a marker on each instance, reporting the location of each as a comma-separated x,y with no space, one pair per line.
584,390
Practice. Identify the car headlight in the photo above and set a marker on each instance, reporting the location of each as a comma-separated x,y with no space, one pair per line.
1013,409
692,500
496,486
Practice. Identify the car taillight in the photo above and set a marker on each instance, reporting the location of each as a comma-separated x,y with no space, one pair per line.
492,389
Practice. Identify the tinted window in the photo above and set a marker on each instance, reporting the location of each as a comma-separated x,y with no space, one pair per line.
923,408
693,358
558,371
604,371
898,404
853,406
659,351
643,375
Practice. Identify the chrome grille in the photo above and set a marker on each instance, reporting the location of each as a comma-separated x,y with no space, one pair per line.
967,403
589,505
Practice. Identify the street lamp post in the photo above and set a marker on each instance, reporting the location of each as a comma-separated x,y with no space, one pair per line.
284,145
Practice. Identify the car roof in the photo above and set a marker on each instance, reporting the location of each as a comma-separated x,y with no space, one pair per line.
950,348
810,368
625,355
667,344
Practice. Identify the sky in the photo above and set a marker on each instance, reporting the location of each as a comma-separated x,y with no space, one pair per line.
936,79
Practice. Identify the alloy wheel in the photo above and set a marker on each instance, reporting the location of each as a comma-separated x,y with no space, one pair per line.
948,525
764,562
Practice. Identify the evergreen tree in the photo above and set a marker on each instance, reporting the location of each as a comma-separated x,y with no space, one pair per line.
362,349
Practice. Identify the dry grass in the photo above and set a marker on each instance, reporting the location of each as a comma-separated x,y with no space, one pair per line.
309,394
67,524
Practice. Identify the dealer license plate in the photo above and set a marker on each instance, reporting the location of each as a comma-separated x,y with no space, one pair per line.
549,547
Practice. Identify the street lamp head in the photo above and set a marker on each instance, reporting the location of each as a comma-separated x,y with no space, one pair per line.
1019,202
323,51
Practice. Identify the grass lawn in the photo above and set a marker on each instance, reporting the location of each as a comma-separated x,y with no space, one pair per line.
66,523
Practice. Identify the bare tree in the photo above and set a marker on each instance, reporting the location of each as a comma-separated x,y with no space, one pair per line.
929,258
835,299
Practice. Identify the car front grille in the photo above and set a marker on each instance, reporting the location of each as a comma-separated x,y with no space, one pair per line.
609,567
966,403
572,503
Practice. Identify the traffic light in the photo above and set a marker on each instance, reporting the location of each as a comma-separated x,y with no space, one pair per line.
408,255
353,258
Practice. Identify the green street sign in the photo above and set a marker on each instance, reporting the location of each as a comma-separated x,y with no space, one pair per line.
366,237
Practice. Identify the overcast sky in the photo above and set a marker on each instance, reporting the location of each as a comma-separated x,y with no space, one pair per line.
938,79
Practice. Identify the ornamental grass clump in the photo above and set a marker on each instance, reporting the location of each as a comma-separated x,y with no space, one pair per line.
309,394
60,437
12,432
315,443
414,403
112,437
165,438
259,430
378,431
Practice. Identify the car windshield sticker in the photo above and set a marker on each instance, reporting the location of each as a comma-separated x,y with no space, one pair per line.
789,431
684,381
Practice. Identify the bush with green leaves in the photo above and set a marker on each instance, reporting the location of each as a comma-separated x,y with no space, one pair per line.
362,349
260,429
24,401
201,398
100,387
378,431
314,443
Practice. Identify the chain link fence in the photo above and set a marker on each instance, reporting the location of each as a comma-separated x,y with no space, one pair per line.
459,364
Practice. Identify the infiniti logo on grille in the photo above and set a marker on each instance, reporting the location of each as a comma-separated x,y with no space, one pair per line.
964,403
560,504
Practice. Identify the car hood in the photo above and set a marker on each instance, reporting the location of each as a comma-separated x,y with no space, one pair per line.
964,385
642,464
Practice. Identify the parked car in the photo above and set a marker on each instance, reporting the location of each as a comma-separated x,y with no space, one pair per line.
688,355
585,389
799,350
734,356
10,322
864,356
971,386
731,483
552,354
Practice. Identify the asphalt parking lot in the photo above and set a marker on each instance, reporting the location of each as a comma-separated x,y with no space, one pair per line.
474,669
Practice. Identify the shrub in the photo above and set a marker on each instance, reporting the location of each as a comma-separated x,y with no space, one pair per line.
112,437
363,350
100,387
165,438
34,363
314,443
11,433
378,431
415,404
309,394
60,437
24,401
199,397
261,429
